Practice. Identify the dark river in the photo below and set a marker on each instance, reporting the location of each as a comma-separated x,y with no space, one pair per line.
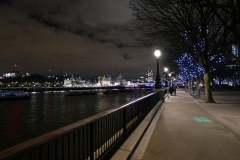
22,120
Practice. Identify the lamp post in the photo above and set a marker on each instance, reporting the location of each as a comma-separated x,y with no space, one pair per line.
157,53
166,70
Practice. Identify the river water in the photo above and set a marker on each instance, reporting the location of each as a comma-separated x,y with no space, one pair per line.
22,120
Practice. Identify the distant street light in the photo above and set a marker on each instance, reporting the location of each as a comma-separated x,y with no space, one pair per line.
166,70
170,78
157,53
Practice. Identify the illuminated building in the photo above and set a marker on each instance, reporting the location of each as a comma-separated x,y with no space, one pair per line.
235,50
149,76
13,74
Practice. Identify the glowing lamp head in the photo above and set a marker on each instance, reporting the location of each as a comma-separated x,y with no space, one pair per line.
165,69
157,53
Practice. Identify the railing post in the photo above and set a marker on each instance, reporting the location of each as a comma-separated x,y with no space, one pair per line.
92,141
162,94
138,112
124,121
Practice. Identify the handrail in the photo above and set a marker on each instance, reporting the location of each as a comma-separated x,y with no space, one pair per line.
110,119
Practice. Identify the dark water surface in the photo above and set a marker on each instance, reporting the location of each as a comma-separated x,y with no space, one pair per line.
22,120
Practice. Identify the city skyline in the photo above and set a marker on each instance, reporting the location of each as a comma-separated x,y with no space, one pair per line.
88,38
16,73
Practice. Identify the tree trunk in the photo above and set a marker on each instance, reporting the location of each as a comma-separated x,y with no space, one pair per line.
192,86
189,86
197,88
220,84
208,92
185,85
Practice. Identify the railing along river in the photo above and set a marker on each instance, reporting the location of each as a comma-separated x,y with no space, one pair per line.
90,138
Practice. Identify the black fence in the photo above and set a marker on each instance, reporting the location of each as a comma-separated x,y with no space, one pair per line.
87,139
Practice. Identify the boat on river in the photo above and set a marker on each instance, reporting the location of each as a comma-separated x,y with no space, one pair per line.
13,94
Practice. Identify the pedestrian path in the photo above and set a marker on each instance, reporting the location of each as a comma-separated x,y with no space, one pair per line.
189,129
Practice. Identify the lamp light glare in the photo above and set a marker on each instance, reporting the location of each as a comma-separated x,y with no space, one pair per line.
157,53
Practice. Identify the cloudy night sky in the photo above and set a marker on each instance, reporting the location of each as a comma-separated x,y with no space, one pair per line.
87,37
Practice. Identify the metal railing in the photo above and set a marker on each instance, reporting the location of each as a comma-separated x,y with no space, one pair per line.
89,139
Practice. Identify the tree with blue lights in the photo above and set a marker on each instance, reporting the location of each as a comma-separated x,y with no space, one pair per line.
189,70
190,24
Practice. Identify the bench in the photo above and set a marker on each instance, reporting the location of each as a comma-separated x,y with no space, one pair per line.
202,95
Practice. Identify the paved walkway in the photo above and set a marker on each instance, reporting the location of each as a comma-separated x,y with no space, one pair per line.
189,129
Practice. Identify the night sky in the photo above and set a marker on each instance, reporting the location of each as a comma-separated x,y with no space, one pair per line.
85,37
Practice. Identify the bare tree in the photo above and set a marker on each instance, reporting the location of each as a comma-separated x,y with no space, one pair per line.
228,13
193,25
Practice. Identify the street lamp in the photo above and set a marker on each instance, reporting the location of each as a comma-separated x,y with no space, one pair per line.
157,54
166,70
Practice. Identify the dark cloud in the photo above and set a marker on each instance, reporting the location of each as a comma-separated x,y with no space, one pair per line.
81,29
47,21
91,35
120,45
5,2
126,56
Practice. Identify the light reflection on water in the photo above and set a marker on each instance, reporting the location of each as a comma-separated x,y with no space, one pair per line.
22,120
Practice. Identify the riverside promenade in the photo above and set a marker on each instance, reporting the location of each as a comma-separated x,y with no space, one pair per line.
187,128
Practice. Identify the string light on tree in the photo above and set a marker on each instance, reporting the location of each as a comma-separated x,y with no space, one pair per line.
188,68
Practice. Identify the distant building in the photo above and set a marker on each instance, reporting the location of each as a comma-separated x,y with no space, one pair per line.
149,76
74,82
105,80
68,82
235,50
119,76
13,74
